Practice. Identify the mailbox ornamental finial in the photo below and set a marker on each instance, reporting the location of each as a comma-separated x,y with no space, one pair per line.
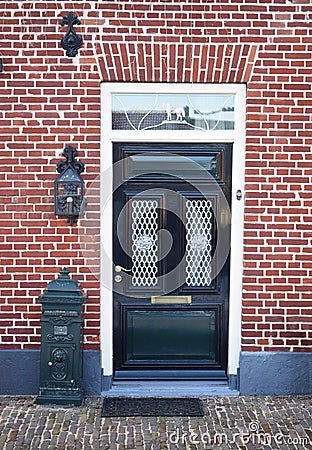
64,273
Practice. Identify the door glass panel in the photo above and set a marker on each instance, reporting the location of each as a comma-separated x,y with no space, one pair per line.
171,335
201,112
144,242
195,166
198,242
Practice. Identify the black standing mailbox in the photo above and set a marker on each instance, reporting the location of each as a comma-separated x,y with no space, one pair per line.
61,342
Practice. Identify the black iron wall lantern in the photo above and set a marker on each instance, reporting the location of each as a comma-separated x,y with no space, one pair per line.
69,187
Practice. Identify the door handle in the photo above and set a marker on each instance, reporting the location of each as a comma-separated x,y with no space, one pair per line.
120,269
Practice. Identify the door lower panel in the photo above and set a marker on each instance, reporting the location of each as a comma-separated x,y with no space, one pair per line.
171,336
171,342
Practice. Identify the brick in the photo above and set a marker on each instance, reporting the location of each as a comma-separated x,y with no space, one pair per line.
190,42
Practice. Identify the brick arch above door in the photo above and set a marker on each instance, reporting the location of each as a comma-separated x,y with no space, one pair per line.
176,62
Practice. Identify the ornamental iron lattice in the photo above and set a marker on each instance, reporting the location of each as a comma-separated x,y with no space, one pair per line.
144,242
198,242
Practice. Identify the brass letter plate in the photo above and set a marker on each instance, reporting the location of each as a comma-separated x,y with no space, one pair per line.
171,299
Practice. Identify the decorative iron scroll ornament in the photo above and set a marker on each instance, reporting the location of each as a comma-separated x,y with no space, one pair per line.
69,187
71,42
52,338
70,154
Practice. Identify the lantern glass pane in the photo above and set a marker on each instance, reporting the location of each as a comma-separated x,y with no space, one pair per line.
69,198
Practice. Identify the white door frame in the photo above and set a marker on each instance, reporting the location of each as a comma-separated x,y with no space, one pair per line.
110,136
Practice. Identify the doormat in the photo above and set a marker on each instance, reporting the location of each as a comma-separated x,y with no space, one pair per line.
151,406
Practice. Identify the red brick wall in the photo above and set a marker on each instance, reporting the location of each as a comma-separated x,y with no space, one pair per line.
49,101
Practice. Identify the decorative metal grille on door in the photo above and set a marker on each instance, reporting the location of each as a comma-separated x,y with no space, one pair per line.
198,242
198,224
144,242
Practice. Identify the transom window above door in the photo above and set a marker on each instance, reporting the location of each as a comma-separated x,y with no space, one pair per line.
174,111
204,112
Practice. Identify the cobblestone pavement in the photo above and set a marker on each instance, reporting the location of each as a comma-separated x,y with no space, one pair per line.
229,422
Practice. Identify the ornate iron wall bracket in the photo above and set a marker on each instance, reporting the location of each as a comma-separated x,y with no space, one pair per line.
69,187
71,42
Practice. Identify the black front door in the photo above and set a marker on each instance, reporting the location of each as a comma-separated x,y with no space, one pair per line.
171,260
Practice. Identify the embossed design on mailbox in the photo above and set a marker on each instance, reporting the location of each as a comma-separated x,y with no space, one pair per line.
52,337
61,342
59,364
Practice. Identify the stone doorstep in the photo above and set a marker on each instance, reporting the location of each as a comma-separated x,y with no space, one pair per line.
170,389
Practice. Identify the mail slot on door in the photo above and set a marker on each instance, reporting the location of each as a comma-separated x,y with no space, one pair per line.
171,299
